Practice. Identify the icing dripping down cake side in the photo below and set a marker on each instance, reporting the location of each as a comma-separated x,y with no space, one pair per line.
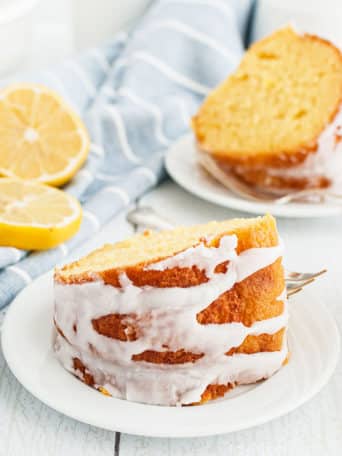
176,317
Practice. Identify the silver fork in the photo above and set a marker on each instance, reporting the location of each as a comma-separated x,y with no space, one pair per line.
238,187
146,217
296,281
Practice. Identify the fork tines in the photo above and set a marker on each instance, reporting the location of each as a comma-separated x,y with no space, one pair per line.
296,281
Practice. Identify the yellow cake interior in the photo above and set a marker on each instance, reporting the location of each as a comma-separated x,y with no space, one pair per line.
152,246
287,88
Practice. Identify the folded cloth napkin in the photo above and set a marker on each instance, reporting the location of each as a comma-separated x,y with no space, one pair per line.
136,96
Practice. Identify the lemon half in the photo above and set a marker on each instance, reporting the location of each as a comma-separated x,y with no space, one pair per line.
36,216
41,137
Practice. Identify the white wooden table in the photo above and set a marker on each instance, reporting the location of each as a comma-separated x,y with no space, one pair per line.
28,427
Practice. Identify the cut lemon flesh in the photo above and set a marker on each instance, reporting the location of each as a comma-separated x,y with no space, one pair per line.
36,216
41,137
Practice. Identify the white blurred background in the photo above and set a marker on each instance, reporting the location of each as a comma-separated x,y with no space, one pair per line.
36,33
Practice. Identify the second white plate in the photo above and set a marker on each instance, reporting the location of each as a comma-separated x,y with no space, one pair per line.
27,340
181,163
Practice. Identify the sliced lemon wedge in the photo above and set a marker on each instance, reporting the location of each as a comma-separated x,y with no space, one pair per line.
41,137
36,216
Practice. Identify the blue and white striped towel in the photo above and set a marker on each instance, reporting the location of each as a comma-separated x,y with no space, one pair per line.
136,96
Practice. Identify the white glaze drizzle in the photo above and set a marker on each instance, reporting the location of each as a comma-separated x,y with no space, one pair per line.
171,384
325,161
164,317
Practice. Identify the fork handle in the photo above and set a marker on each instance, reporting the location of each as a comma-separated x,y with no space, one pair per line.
147,217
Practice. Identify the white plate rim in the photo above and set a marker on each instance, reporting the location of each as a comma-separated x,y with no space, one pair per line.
181,166
20,301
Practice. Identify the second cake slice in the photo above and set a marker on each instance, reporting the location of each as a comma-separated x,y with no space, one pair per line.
275,123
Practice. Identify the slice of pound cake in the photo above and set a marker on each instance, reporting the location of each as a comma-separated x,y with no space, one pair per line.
276,122
175,317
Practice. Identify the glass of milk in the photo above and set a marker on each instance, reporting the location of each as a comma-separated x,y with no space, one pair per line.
318,17
97,21
16,26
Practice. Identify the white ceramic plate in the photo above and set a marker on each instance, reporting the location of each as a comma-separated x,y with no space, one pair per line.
181,163
27,336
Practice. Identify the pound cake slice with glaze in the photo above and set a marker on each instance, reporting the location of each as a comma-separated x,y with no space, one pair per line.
276,122
175,317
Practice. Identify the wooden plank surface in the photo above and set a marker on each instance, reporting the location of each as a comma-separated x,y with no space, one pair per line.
27,426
